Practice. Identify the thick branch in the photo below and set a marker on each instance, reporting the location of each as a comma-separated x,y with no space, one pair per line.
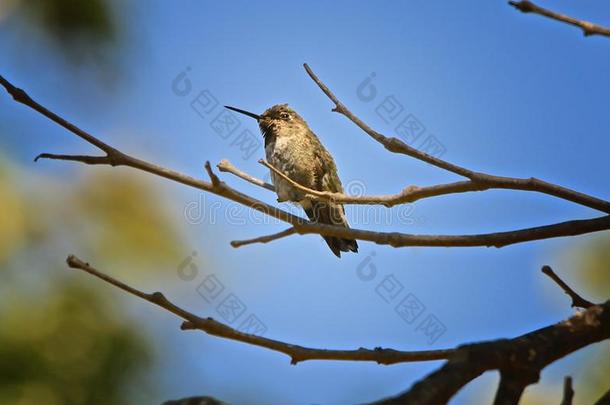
523,356
512,384
296,353
588,28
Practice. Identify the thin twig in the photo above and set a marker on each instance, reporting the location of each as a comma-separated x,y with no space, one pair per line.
226,166
568,391
577,300
264,239
213,177
296,353
588,28
408,195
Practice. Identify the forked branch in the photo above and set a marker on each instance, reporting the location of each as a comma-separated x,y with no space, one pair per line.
478,181
519,360
114,157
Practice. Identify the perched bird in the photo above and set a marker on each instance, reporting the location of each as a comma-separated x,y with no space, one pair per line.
293,148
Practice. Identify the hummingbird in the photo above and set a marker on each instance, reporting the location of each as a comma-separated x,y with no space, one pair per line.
293,148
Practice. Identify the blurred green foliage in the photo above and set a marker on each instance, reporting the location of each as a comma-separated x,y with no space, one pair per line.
67,346
12,217
591,262
65,338
109,217
73,20
80,29
126,215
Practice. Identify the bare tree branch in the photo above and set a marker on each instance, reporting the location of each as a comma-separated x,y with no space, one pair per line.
411,193
114,157
392,144
198,400
302,226
213,177
226,166
408,195
512,384
499,239
483,180
568,392
296,353
90,160
264,239
22,97
588,28
577,300
519,360
522,357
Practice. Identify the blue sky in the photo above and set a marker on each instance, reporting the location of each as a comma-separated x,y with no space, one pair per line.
505,93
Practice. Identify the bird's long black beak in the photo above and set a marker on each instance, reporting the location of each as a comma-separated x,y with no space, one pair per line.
248,113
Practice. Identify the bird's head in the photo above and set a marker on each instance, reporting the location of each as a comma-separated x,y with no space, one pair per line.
275,119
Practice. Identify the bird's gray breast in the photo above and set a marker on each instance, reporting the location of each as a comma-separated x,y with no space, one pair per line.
292,156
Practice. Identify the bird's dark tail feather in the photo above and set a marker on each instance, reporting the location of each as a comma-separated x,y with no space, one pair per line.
326,213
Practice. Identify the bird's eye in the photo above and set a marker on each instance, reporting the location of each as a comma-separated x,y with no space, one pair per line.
284,116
